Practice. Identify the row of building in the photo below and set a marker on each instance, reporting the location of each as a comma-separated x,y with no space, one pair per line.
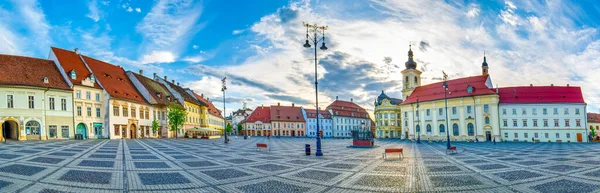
472,109
337,120
70,94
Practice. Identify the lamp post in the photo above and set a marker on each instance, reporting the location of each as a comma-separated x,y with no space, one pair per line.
316,29
445,85
419,131
224,120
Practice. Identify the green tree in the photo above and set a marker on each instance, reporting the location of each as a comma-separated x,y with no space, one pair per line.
176,116
155,125
239,128
592,131
228,129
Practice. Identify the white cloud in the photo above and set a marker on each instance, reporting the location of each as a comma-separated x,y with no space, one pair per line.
473,12
195,47
508,15
236,32
27,29
537,23
129,9
158,57
105,3
138,10
194,59
94,13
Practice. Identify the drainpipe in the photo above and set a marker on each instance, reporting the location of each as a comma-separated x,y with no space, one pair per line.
475,115
44,118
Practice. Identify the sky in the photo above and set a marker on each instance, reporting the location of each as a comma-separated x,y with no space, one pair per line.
258,44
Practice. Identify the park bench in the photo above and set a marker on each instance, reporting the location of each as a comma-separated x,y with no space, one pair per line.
261,146
393,150
452,149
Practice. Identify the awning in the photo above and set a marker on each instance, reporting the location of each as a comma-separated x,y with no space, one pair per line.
204,129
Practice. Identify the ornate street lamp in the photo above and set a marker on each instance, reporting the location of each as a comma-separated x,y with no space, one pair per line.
316,29
445,85
223,89
419,131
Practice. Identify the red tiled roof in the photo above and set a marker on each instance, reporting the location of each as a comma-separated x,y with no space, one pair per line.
593,117
312,113
347,109
186,96
70,61
154,88
262,114
287,113
211,108
114,80
457,88
26,71
541,94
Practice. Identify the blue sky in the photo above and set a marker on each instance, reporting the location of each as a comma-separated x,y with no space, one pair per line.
258,44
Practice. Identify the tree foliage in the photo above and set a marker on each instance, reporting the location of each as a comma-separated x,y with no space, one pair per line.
592,131
176,116
155,125
239,128
228,129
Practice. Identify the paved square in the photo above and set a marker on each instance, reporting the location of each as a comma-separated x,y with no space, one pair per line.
195,165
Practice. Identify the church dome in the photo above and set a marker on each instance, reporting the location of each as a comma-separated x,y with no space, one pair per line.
410,64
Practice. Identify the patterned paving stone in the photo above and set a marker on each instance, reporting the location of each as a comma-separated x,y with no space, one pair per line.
22,169
560,159
593,174
475,161
517,175
151,165
377,181
301,162
28,151
454,181
566,186
94,163
199,163
4,184
108,156
87,177
590,162
62,154
562,168
162,178
46,190
341,166
139,152
443,169
9,156
271,167
510,159
143,157
491,166
530,163
222,174
48,160
273,186
240,161
317,175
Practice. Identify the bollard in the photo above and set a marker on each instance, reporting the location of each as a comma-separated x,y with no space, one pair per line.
307,149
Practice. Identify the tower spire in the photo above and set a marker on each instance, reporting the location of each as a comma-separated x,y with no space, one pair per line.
484,65
410,64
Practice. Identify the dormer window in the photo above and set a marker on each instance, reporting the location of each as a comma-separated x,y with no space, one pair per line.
73,74
45,79
93,78
158,95
470,89
169,98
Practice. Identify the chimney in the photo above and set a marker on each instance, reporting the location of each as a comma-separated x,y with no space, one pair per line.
141,72
567,85
278,104
177,83
292,104
166,79
351,100
173,81
77,51
336,98
154,75
262,106
551,84
530,84
202,95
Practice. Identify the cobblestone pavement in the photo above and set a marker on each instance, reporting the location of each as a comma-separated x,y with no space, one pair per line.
194,165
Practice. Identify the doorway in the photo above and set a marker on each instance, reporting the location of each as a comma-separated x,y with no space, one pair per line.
132,131
81,130
98,130
488,135
579,138
10,130
293,134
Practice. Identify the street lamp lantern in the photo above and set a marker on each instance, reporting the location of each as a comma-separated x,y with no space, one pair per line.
445,85
316,30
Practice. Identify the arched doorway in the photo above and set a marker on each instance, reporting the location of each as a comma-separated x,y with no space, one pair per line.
132,131
81,130
32,130
10,130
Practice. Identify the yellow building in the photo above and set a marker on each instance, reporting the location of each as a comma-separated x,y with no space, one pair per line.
593,120
211,115
470,113
195,118
388,122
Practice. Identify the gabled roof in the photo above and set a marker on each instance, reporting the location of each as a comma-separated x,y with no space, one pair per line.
262,114
186,96
211,107
158,91
312,113
541,94
287,113
26,71
393,101
593,117
70,61
457,88
114,80
347,109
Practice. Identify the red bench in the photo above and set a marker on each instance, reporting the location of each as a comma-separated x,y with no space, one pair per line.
452,149
399,151
262,146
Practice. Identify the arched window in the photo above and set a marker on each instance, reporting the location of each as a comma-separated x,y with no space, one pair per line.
418,129
487,120
442,128
416,80
32,128
428,128
470,129
455,129
406,79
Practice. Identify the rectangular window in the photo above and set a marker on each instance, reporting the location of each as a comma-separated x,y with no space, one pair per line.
89,111
524,112
504,111
505,135
133,113
514,111
147,115
117,129
63,104
516,135
454,110
115,111
546,135
534,111
545,111
568,135
440,111
577,111
31,102
526,135
417,112
428,112
556,111
125,112
524,122
78,94
535,135
578,122
545,122
486,108
97,96
567,123
88,95
505,122
515,123
52,129
64,131
469,109
98,112
556,122
51,99
566,111
405,114
535,123
78,110
557,135
9,101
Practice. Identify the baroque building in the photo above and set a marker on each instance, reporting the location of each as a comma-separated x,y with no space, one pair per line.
347,116
388,117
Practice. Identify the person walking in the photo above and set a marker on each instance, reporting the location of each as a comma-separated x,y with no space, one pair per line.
494,141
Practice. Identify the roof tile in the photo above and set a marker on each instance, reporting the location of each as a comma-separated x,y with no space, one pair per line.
26,71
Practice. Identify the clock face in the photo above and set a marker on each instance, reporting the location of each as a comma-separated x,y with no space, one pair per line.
470,89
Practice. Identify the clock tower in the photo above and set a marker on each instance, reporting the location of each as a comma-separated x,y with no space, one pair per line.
411,77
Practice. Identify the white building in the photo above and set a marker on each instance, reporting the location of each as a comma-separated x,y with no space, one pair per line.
347,116
325,122
543,113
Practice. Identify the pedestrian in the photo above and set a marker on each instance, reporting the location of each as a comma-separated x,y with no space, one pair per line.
532,140
494,141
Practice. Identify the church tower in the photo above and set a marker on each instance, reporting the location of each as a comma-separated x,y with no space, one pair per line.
484,66
411,77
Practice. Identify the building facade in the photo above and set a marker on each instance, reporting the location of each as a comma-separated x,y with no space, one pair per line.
593,120
258,122
37,100
213,116
287,121
347,116
190,103
388,117
543,113
325,122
